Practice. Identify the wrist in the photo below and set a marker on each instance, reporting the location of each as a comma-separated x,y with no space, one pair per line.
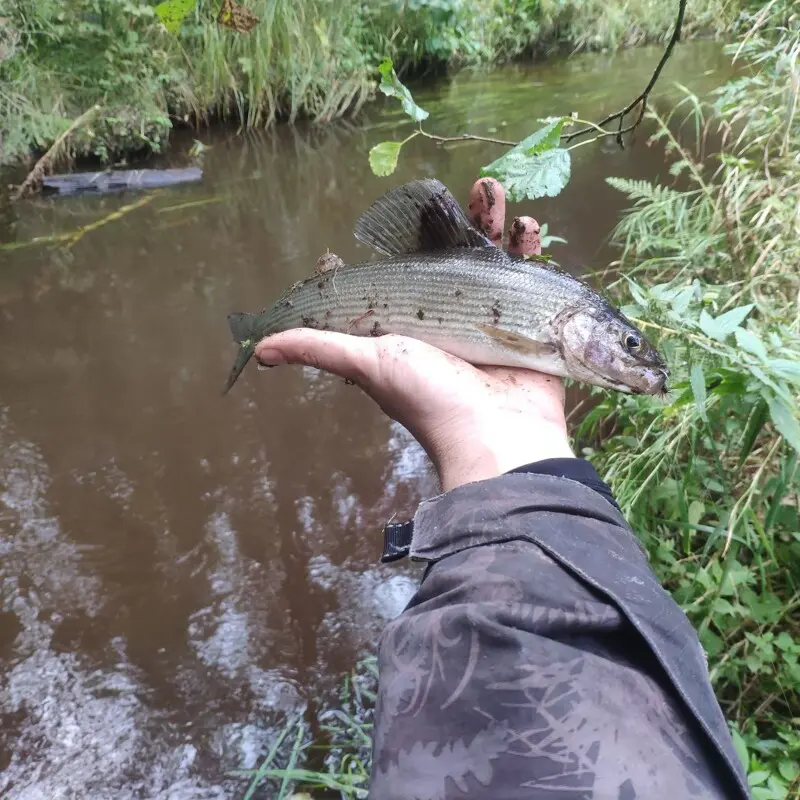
481,454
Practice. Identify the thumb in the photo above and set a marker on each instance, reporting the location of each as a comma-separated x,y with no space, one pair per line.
351,357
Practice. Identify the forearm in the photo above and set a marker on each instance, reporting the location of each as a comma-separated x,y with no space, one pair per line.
541,658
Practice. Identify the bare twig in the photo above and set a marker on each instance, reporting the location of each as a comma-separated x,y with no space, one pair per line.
641,99
466,137
70,238
45,163
618,134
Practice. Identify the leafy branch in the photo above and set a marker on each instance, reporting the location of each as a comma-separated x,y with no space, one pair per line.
535,167
538,166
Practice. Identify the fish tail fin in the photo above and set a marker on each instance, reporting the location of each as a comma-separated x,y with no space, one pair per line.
243,328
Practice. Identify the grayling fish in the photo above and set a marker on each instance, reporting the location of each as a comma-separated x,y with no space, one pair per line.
444,283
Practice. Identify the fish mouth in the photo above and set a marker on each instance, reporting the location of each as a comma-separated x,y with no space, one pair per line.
655,382
646,379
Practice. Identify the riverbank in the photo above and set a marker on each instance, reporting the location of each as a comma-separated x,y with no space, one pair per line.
313,59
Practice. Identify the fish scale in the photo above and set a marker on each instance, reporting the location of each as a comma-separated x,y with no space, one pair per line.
444,283
440,299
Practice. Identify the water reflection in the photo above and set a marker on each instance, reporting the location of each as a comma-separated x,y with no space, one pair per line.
180,571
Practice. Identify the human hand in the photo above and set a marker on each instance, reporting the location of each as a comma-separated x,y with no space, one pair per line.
474,422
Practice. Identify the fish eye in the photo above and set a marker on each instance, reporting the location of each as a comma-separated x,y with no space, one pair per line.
632,342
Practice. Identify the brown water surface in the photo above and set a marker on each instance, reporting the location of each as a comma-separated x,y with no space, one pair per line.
180,571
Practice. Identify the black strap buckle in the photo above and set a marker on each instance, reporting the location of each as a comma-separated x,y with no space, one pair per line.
396,540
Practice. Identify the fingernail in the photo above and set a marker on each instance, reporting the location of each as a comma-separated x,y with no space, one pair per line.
270,356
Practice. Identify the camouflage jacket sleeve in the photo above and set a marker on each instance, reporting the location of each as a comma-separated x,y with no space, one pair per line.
540,658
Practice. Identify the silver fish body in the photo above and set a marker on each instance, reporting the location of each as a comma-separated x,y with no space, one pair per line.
444,283
452,299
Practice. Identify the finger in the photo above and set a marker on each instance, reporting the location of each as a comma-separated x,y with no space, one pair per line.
487,208
524,238
351,357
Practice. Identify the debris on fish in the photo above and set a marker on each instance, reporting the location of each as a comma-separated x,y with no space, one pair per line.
443,282
328,261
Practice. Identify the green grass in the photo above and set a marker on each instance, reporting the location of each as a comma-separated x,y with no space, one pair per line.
60,58
598,25
345,753
310,58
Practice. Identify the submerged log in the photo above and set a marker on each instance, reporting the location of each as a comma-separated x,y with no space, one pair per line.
34,180
120,180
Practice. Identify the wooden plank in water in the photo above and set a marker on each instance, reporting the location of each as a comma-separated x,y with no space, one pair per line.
120,180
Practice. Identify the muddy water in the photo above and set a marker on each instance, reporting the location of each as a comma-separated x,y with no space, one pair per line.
178,571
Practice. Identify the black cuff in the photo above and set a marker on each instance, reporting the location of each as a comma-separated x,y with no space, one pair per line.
575,469
398,536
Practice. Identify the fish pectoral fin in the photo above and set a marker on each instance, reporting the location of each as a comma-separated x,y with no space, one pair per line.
416,217
518,342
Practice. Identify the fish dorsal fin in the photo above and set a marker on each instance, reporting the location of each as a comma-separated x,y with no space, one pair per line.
417,216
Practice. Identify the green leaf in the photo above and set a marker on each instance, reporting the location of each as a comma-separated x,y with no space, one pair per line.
172,13
721,327
741,748
706,323
695,512
764,609
383,158
739,574
682,300
697,378
544,139
534,168
725,607
631,310
754,663
786,368
785,420
638,293
531,177
755,422
712,644
756,778
779,390
748,341
789,770
664,292
546,239
390,85
767,793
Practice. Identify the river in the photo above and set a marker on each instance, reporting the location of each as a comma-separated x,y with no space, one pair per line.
181,571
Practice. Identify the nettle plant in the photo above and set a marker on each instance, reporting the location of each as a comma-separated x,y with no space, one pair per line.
710,480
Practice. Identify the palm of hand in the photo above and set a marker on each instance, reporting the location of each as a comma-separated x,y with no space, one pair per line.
473,422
